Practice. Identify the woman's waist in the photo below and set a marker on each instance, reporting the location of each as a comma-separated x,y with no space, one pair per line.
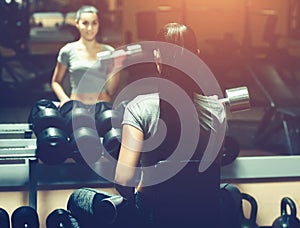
90,98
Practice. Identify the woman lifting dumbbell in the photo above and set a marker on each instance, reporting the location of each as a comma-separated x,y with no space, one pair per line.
141,121
88,76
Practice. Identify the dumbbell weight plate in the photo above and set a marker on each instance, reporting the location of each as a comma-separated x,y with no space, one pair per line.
4,218
25,216
79,117
107,120
45,118
58,218
85,145
112,142
120,108
52,146
102,106
38,106
69,105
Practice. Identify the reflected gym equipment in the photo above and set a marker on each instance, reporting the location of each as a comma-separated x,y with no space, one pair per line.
52,146
76,115
85,145
44,114
282,112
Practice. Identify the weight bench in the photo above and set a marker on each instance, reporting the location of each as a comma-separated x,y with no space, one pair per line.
283,110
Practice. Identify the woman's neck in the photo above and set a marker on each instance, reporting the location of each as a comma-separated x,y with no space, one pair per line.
89,44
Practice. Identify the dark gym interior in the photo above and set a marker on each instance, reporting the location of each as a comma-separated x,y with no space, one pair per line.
252,43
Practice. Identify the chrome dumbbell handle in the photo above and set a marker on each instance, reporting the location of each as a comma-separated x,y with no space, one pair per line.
129,50
237,98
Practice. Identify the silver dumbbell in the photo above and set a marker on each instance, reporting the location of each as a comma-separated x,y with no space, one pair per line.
129,50
237,99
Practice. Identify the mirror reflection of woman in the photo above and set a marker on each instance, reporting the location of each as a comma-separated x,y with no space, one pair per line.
88,77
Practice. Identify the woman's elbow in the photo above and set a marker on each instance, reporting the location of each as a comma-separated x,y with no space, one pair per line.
125,176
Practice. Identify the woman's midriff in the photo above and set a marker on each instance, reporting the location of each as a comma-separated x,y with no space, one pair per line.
91,98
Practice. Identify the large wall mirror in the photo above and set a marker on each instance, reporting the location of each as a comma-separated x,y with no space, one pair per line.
245,42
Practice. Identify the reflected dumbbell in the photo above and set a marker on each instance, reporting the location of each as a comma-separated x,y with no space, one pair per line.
44,114
76,115
237,99
108,123
85,145
112,142
25,217
4,219
52,146
120,108
60,218
107,120
101,106
48,126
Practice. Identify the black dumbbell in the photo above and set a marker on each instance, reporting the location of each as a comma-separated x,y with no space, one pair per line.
107,120
76,115
83,203
60,218
44,114
101,106
109,208
4,219
25,217
52,146
231,150
285,219
85,144
120,108
112,142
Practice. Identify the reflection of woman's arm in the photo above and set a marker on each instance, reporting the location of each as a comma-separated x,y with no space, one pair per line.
112,84
56,83
132,140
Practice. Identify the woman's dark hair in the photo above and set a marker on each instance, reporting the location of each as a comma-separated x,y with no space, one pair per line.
179,34
86,9
184,38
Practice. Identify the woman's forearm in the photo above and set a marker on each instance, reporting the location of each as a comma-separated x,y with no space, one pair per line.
60,92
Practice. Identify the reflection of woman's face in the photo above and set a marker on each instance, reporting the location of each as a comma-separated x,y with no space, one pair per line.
88,25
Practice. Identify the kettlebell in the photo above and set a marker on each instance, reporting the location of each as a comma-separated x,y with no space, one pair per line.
287,220
251,221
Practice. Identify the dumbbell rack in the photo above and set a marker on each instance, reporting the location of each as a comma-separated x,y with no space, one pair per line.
17,154
19,164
